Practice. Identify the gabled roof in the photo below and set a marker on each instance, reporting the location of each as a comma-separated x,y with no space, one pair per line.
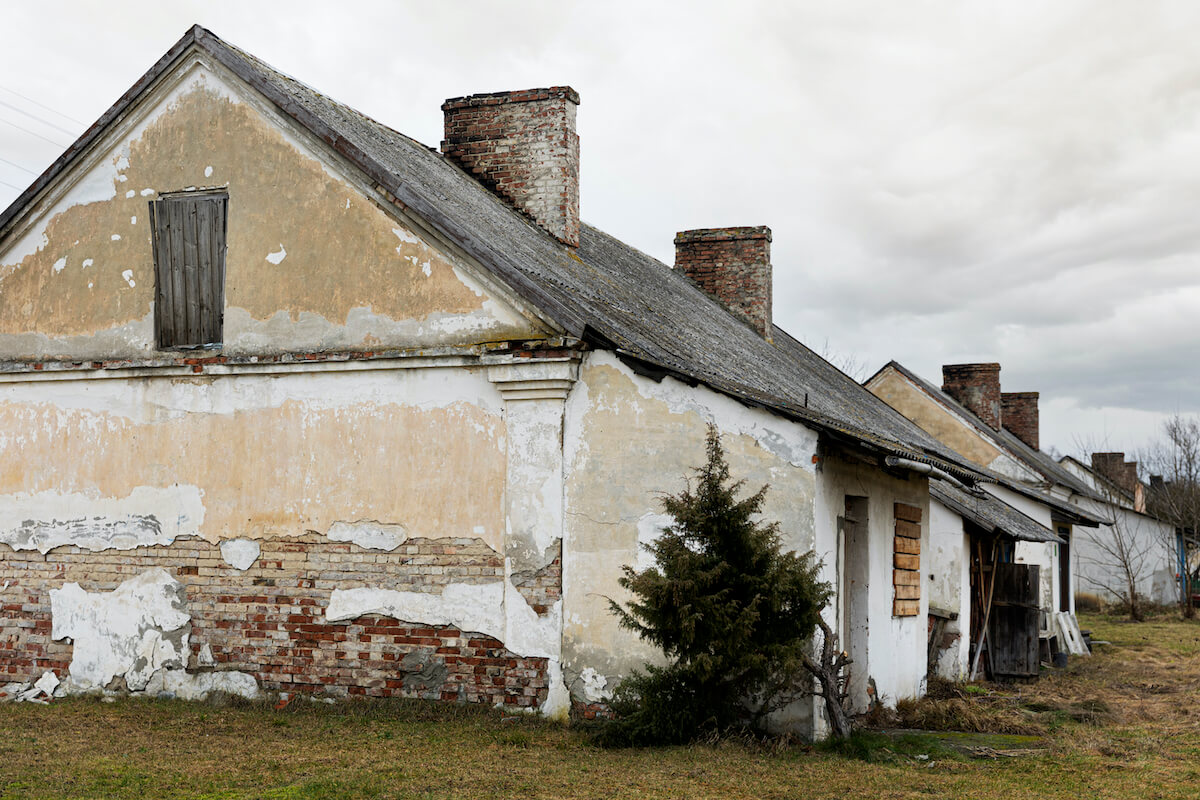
604,292
991,514
1037,461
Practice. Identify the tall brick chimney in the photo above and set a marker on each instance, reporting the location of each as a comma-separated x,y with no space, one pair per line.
1019,415
733,265
523,146
1121,472
976,386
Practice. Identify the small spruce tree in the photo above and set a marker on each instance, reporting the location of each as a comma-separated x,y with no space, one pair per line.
734,615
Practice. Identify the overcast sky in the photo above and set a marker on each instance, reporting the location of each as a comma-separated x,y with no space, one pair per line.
1015,182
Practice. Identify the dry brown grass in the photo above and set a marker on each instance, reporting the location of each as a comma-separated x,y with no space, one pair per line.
1118,725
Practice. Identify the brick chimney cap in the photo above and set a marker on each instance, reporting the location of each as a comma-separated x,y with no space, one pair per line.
519,96
723,234
983,366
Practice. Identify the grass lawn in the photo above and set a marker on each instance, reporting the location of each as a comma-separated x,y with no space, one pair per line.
1124,723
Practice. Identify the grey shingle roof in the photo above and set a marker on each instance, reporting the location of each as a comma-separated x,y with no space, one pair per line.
991,514
605,292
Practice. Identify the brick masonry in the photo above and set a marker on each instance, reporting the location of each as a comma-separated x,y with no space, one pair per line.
1019,415
269,620
733,265
522,146
976,386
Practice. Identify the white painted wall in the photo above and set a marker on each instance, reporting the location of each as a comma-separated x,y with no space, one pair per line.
950,585
896,646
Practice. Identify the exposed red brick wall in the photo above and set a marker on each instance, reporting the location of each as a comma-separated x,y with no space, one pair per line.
733,265
269,620
523,146
976,386
1019,415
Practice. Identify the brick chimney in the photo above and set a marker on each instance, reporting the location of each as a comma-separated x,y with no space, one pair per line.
1121,472
733,265
976,386
522,146
1019,415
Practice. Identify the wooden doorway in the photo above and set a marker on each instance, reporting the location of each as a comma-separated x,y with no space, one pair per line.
853,575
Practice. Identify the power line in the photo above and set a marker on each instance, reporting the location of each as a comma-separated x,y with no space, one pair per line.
18,166
42,105
33,133
45,122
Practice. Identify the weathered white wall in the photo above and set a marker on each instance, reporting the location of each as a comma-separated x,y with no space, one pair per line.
950,585
896,645
111,463
1151,546
628,441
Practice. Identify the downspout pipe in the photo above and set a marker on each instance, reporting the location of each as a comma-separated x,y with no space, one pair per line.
925,469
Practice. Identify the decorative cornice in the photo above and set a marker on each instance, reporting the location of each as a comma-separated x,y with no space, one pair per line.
543,379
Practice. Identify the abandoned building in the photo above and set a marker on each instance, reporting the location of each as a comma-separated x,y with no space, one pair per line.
999,432
290,402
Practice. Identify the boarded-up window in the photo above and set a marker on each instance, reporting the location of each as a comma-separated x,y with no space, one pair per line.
188,233
906,571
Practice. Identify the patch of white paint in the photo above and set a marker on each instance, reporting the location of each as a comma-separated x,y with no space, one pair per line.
116,237
148,516
130,194
425,267
649,527
208,172
594,686
87,262
347,202
133,220
122,632
128,276
369,534
47,683
61,264
478,608
401,234
147,192
199,685
205,657
277,256
240,553
159,401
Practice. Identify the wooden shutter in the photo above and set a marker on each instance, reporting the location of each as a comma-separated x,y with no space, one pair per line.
189,269
906,561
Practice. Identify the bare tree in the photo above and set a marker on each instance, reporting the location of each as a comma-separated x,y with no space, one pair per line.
1124,553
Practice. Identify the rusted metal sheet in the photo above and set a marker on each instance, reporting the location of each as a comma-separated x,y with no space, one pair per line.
188,234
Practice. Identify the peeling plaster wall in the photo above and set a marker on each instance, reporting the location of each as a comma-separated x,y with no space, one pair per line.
313,264
125,462
950,586
896,645
180,618
627,441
